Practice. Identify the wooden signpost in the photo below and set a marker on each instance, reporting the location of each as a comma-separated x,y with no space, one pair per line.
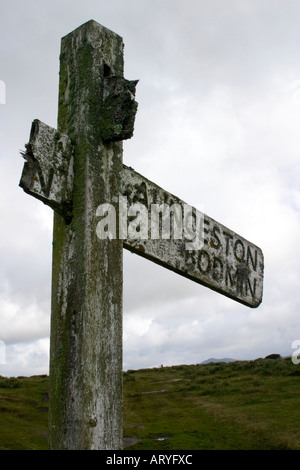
100,206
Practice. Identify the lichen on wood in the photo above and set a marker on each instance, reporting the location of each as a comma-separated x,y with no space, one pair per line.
86,320
48,172
118,109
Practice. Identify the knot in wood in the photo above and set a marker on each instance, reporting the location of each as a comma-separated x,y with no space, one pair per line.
118,109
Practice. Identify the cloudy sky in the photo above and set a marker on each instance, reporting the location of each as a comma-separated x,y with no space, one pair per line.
217,125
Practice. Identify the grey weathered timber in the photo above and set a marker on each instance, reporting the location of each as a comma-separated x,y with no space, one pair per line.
48,172
86,325
72,170
223,261
86,320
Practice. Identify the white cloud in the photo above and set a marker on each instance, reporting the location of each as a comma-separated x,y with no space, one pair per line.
18,324
25,359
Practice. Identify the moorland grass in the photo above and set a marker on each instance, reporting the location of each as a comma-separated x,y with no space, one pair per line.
243,405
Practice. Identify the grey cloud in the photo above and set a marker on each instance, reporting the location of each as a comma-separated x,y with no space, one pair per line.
217,125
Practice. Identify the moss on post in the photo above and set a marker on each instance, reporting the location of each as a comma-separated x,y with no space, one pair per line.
86,323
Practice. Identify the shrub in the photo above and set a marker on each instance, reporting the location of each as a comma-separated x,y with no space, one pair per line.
10,382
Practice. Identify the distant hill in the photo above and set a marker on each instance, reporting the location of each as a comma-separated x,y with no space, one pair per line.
212,359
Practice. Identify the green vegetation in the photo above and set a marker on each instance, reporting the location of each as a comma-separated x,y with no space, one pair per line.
24,413
239,405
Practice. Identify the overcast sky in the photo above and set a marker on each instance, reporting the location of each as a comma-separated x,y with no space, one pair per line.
217,125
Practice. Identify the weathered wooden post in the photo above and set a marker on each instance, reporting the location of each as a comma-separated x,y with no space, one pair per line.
73,170
86,324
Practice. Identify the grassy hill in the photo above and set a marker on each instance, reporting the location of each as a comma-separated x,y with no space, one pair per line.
237,405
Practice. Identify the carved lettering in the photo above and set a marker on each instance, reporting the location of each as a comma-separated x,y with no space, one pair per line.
252,259
205,230
252,290
215,241
239,250
217,269
204,262
228,238
228,276
48,171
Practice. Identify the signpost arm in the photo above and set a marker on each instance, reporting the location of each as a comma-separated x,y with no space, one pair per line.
86,318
